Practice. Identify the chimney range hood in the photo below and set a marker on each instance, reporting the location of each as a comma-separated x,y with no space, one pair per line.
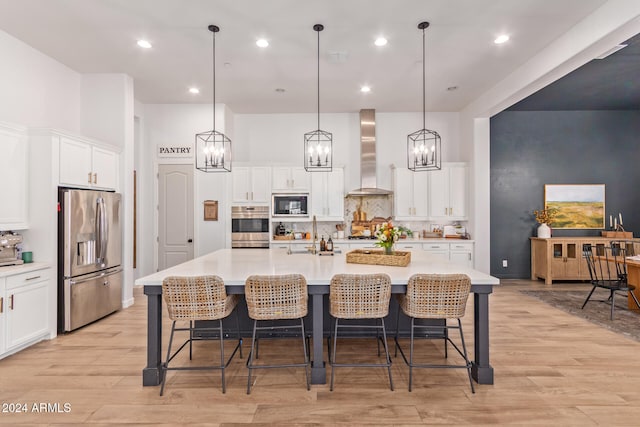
368,180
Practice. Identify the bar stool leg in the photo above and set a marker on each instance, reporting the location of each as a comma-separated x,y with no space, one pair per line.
386,352
333,357
250,358
190,339
466,358
411,354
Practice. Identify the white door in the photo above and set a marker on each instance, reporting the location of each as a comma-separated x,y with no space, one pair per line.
175,215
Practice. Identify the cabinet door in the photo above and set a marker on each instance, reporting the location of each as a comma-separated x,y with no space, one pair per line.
105,168
300,180
3,316
281,179
27,312
403,194
260,184
75,163
458,192
241,184
439,194
420,195
335,195
13,176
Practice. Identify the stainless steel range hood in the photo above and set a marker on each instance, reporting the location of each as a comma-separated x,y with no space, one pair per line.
368,180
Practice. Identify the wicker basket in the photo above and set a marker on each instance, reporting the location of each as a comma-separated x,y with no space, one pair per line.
362,256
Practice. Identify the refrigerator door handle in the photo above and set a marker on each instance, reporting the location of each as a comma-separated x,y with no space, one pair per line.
97,276
101,230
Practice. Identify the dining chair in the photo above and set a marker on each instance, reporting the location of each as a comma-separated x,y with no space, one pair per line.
357,297
608,269
435,297
276,298
194,299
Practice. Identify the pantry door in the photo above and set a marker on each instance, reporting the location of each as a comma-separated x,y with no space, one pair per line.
175,215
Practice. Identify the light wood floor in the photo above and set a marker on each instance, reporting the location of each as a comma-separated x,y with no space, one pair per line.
551,368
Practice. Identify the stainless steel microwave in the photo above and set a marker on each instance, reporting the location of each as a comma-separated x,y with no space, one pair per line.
290,205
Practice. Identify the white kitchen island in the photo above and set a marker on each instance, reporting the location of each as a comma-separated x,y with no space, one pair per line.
235,265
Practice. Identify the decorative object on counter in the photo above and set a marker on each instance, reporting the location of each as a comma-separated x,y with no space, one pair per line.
27,257
210,210
329,246
544,218
577,206
617,230
423,146
323,244
280,230
387,236
364,256
318,153
213,148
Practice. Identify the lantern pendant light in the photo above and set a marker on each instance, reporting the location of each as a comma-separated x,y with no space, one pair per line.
424,150
318,153
213,148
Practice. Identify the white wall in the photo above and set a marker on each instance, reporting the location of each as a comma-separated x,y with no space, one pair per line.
37,90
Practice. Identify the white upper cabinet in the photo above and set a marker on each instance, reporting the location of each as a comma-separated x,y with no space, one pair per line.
410,192
290,179
448,193
251,184
14,178
88,166
327,195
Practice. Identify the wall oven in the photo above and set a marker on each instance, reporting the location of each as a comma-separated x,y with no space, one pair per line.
250,226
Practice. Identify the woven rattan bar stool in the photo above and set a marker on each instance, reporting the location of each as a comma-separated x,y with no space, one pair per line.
359,296
194,299
435,296
277,297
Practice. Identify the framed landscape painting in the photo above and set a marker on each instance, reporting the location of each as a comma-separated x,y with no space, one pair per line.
577,206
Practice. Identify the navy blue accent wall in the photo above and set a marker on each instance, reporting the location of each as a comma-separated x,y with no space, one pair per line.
532,148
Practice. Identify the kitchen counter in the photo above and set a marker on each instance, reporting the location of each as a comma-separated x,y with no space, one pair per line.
235,265
373,241
10,270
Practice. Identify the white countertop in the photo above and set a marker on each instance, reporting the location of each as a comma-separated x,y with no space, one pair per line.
235,265
10,270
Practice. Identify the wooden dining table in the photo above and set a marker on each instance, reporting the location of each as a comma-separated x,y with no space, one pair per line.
235,265
633,278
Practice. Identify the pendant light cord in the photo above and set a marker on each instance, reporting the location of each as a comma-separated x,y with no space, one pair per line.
424,83
318,80
214,80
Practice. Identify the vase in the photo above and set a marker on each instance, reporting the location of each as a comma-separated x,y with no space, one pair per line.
388,250
544,231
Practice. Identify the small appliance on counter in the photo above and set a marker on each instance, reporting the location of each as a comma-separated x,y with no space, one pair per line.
10,248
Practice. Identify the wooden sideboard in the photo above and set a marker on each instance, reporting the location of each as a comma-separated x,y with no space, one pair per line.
560,258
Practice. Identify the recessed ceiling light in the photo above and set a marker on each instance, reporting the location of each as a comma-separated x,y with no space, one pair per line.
144,44
365,89
501,39
194,90
262,43
380,41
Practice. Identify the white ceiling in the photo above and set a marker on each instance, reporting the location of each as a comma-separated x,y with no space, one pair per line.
99,36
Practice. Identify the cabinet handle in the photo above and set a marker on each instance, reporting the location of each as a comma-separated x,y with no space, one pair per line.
1,304
95,178
11,302
469,256
89,177
246,195
252,195
32,278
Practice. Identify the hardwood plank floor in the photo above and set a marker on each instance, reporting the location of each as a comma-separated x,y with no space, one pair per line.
550,368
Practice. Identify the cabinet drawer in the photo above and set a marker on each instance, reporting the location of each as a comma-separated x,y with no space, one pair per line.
27,278
461,246
436,246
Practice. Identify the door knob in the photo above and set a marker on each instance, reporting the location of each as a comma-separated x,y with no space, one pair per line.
190,241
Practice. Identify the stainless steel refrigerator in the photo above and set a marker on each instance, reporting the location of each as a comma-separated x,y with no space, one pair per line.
89,256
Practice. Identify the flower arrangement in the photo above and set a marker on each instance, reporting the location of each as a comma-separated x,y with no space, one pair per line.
546,216
387,235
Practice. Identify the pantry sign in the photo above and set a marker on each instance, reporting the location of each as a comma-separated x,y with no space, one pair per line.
175,151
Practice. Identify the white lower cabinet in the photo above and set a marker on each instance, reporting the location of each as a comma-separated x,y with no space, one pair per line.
440,250
24,317
461,253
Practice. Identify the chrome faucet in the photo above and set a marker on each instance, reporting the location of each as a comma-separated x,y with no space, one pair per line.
314,233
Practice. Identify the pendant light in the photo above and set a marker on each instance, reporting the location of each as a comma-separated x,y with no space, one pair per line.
423,146
213,148
318,153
